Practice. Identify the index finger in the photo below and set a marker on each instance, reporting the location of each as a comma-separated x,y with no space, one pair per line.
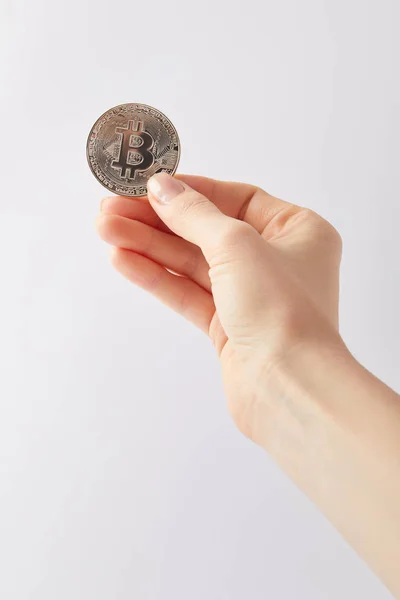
238,200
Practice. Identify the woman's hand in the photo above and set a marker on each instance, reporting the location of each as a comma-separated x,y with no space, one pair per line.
261,277
258,274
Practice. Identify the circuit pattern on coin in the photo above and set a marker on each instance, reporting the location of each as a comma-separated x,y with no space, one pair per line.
129,144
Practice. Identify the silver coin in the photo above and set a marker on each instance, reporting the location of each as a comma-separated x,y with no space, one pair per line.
128,144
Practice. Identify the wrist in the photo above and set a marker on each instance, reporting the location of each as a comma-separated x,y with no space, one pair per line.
326,419
334,430
297,397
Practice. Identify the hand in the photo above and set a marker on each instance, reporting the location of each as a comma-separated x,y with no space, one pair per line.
258,274
261,277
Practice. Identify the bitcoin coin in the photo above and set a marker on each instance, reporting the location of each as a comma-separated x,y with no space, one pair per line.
128,144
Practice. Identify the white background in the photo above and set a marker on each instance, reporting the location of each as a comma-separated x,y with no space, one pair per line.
121,473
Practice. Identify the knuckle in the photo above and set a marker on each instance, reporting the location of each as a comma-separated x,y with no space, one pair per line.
145,238
237,233
192,203
322,230
190,263
312,218
335,237
233,245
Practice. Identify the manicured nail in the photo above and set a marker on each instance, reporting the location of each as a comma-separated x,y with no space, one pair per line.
164,188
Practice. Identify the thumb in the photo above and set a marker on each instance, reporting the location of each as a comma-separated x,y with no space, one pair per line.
235,252
188,213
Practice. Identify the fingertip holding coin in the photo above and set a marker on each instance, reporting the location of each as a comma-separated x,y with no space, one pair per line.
128,145
164,188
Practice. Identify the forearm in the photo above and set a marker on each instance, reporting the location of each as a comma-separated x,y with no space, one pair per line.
336,431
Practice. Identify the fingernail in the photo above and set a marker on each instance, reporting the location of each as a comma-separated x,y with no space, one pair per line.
164,188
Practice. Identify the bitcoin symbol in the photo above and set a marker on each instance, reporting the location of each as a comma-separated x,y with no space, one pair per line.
135,149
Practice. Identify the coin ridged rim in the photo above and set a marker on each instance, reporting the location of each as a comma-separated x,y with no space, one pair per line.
114,108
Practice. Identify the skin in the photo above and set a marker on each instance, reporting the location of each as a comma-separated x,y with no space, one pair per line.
260,276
